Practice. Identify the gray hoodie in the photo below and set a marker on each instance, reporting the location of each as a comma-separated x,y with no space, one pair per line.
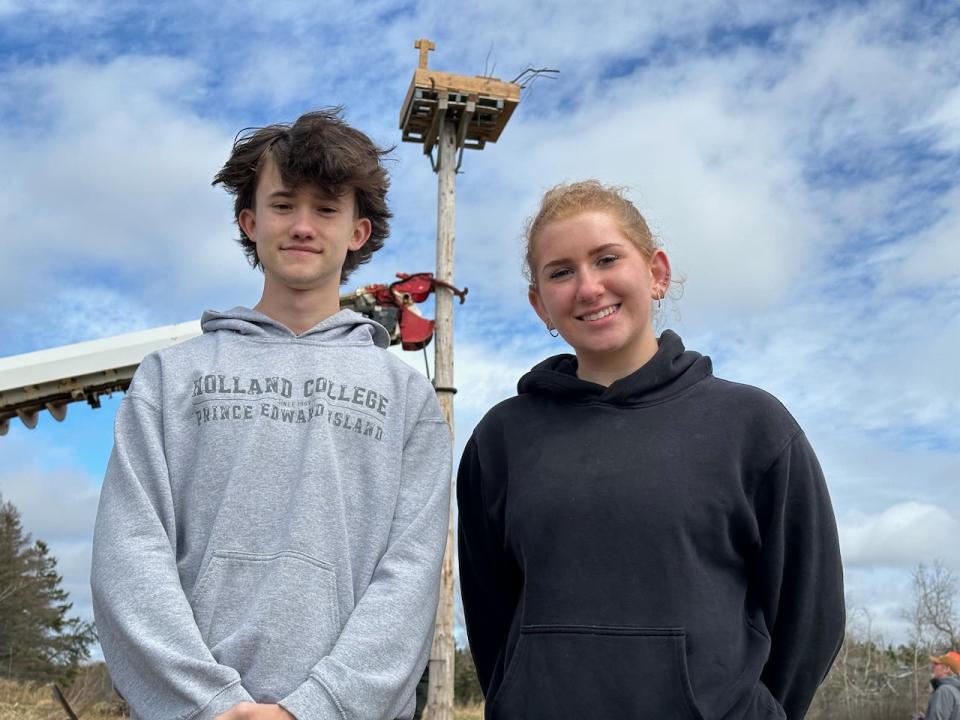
272,523
945,701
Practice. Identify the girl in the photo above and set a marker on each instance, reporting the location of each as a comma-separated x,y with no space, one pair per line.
638,538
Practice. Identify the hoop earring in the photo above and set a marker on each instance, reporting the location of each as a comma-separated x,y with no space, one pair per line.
659,298
553,332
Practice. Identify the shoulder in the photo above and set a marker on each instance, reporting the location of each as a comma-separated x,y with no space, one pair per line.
419,398
502,421
399,372
166,365
945,694
173,357
748,397
749,423
749,407
506,412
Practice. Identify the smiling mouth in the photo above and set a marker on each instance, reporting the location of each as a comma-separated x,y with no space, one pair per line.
301,249
600,314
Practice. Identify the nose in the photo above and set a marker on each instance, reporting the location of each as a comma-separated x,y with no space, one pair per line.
589,286
302,228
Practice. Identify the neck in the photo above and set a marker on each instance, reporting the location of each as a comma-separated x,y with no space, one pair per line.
298,310
606,368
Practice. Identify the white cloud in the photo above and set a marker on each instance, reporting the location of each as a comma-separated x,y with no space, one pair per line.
932,256
74,314
945,121
116,184
57,504
904,534
877,600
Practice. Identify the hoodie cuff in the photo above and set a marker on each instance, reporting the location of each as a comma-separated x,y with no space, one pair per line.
312,701
222,701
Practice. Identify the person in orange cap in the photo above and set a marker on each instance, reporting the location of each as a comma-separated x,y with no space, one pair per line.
945,700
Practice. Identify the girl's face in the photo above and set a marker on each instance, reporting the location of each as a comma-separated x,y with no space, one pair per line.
595,287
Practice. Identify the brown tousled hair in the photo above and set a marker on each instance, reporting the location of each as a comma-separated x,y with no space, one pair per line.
318,148
568,199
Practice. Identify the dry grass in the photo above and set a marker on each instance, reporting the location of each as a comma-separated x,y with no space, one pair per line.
468,712
23,701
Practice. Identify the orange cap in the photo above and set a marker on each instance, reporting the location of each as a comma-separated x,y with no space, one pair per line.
950,659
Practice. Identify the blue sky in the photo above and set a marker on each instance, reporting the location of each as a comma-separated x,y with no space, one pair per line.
799,164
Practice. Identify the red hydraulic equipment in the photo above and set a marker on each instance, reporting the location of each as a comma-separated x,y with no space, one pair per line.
393,306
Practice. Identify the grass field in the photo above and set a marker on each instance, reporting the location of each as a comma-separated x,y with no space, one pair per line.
21,701
474,712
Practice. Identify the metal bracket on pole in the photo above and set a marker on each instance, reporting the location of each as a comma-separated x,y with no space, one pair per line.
465,117
433,134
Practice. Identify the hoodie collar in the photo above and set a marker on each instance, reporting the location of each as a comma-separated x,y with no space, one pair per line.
671,370
946,680
343,328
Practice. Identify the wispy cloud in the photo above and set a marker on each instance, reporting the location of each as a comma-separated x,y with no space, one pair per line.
905,534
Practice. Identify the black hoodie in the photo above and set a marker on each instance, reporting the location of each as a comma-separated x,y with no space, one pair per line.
660,548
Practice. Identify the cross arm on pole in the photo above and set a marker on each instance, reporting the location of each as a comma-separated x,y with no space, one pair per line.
424,46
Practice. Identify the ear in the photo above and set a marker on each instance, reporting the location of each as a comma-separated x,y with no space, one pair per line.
534,297
248,223
361,233
659,274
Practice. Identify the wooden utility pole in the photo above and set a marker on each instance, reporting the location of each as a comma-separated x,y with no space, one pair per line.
440,692
449,112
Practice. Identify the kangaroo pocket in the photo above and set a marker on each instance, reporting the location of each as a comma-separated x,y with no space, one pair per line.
596,672
271,617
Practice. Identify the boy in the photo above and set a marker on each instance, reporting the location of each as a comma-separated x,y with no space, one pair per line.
273,518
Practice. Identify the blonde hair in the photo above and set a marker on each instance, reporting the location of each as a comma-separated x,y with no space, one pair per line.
569,199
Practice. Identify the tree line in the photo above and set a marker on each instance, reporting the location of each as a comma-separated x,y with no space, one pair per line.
39,641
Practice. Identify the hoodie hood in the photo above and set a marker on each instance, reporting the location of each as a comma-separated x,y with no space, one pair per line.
948,680
343,328
670,371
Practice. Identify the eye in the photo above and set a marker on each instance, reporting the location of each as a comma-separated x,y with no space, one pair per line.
559,273
280,206
327,210
607,259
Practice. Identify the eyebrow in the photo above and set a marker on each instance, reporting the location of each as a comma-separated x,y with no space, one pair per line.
285,194
596,251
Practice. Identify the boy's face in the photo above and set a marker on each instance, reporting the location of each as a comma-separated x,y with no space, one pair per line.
302,235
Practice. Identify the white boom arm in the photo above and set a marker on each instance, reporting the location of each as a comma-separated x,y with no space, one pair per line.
51,379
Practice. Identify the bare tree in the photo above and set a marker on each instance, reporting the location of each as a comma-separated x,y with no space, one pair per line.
866,681
934,589
871,680
933,621
920,642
